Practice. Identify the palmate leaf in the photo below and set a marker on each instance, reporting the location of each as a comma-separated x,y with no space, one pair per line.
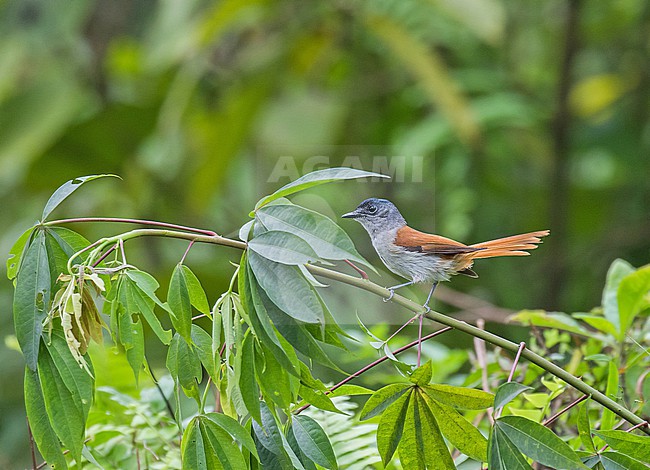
138,295
198,299
236,430
460,397
584,427
184,365
221,449
316,178
503,454
272,446
616,461
539,443
32,298
422,445
422,375
66,189
17,253
391,426
326,238
382,399
273,379
179,302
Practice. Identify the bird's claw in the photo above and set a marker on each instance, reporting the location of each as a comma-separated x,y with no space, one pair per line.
427,309
392,294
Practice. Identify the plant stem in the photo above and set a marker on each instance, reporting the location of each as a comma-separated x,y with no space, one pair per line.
382,292
151,223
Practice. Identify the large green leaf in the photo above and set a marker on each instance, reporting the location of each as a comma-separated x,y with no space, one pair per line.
44,435
313,441
460,432
503,454
616,461
63,407
236,430
245,368
633,297
611,390
558,320
197,294
391,425
220,446
184,365
584,427
179,302
17,253
32,299
203,347
382,399
272,378
288,289
327,239
193,448
507,392
273,442
131,335
460,397
65,190
617,271
627,443
283,247
422,375
315,178
539,443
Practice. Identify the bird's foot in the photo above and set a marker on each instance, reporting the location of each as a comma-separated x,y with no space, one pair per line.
427,309
392,294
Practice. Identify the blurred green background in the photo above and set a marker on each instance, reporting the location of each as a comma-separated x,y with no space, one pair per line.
495,117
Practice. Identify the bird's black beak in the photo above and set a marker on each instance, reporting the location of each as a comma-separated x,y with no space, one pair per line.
351,215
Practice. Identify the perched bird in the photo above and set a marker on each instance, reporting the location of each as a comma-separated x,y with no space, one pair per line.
422,257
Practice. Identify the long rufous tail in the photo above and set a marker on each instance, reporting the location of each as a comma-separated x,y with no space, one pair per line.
516,245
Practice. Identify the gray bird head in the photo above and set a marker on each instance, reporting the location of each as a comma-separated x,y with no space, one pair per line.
377,216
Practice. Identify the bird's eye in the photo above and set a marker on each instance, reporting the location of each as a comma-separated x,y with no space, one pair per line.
372,210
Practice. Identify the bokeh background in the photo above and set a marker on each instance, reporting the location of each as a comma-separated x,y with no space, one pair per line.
502,116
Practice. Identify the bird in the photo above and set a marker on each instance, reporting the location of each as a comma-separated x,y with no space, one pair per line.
423,257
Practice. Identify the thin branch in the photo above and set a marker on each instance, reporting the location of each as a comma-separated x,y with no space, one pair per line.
550,420
376,363
496,340
151,223
361,272
32,446
522,346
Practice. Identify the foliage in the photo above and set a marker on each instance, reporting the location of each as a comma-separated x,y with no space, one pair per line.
259,354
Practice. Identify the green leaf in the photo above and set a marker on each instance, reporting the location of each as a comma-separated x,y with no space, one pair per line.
539,443
70,242
460,397
325,237
44,435
503,454
584,427
32,299
315,178
139,296
609,418
632,297
558,320
616,461
203,348
236,430
287,289
313,441
602,324
391,425
382,399
422,375
347,389
17,253
617,271
272,440
272,378
63,408
307,463
179,302
65,190
132,338
247,383
627,443
460,432
192,447
422,445
507,392
184,365
220,446
197,294
283,247
318,398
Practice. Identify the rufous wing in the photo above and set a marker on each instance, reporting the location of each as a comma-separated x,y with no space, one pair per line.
414,240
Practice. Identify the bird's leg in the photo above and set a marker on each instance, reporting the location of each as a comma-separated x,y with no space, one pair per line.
426,304
427,310
392,289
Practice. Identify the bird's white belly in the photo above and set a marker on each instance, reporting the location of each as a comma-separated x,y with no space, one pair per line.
413,265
